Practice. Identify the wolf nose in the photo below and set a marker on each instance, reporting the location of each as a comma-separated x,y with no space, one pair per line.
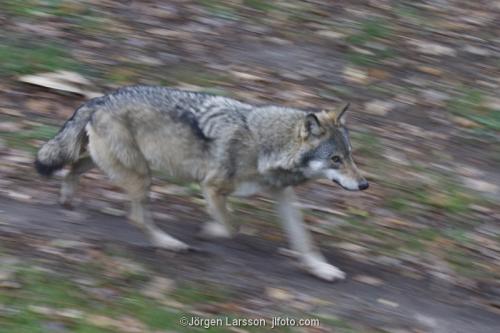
363,185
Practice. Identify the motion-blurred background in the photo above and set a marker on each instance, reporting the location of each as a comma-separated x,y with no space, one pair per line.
421,247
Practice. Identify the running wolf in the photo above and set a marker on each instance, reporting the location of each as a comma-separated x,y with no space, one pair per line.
229,147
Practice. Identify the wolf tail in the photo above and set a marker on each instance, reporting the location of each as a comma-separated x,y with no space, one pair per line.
66,146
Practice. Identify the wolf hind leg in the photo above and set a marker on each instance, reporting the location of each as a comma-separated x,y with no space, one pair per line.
140,215
220,227
301,241
70,181
136,183
137,187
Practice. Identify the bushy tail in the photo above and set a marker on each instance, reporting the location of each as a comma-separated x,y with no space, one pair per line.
65,147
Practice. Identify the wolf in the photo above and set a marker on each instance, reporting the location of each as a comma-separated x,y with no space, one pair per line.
229,147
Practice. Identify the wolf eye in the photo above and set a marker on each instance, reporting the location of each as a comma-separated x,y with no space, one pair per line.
336,159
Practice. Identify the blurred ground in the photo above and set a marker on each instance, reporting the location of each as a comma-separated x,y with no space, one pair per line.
421,247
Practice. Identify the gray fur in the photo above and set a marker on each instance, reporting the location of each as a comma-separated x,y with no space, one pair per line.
228,146
65,147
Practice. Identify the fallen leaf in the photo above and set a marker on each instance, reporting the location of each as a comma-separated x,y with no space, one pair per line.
356,75
388,303
278,294
370,280
158,287
61,80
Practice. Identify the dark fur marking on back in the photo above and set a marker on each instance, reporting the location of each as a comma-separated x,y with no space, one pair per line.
189,118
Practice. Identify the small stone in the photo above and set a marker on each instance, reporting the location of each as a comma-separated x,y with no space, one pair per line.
405,99
8,311
370,280
278,41
246,76
10,126
6,274
355,75
481,209
330,34
172,303
9,285
19,196
378,74
492,103
395,223
388,303
145,60
430,70
87,282
464,122
174,34
387,261
435,97
432,48
41,310
126,266
101,321
68,244
158,287
72,314
379,108
481,185
278,294
351,247
170,189
479,51
10,112
112,211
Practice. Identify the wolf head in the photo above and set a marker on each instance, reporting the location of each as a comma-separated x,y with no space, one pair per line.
329,152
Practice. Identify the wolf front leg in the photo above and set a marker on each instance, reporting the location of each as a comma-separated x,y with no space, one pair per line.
220,227
300,239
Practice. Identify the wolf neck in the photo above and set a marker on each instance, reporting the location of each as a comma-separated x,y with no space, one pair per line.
276,131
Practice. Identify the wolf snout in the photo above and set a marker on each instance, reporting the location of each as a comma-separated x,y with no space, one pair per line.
363,185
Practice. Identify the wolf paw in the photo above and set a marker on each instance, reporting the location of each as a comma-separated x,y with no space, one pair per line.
164,241
211,230
323,270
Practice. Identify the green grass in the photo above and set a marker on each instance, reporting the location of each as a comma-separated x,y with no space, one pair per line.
233,10
360,59
442,194
17,59
219,8
56,291
365,144
128,73
370,30
26,138
29,8
468,104
260,5
195,293
413,15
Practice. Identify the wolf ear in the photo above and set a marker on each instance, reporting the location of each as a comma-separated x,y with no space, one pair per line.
341,118
311,126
